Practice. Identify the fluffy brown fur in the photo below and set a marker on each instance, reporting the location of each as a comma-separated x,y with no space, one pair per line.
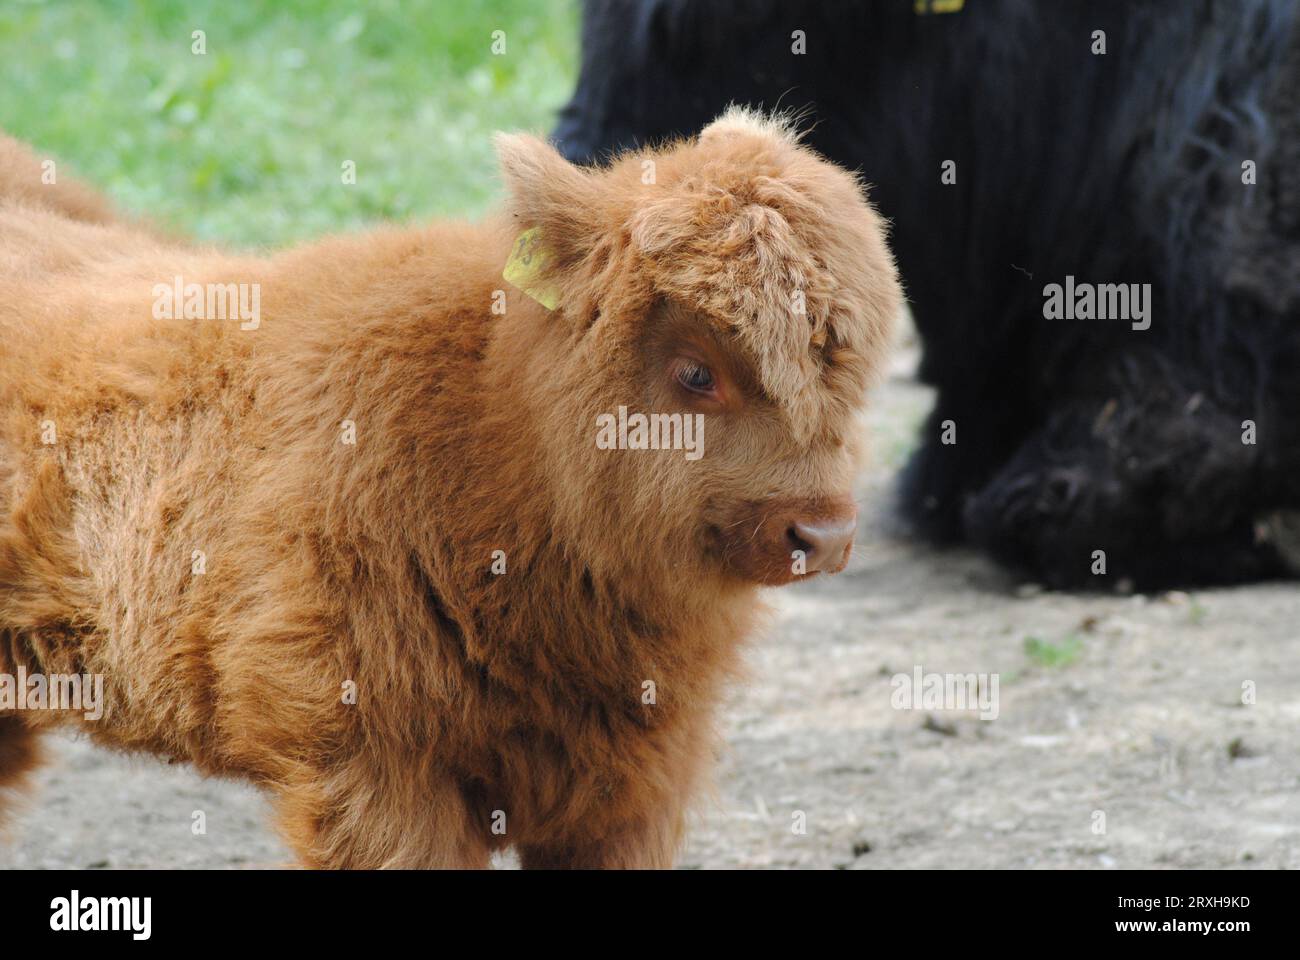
520,692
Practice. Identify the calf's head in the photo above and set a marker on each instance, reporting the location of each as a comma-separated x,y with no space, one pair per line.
720,307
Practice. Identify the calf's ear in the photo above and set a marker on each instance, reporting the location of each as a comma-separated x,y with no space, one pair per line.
548,192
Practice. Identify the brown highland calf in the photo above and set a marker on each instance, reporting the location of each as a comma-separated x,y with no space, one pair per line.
365,550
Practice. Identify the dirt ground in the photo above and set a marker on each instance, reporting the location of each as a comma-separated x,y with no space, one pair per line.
1121,739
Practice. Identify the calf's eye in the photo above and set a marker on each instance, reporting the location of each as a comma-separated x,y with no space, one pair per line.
695,377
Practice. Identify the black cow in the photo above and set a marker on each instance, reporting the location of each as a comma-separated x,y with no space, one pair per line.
1169,442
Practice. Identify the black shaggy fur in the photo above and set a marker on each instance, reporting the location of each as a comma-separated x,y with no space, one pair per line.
1072,435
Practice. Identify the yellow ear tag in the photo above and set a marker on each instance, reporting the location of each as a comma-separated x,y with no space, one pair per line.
525,268
939,6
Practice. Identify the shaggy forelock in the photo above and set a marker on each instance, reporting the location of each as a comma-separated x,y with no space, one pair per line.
778,247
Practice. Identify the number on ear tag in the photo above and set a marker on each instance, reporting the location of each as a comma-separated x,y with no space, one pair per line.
526,266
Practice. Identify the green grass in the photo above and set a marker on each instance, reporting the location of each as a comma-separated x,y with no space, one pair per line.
246,143
1044,653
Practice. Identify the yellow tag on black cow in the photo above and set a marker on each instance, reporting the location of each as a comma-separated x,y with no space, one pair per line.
939,6
526,266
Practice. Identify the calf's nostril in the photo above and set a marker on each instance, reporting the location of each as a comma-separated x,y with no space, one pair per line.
824,542
797,541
